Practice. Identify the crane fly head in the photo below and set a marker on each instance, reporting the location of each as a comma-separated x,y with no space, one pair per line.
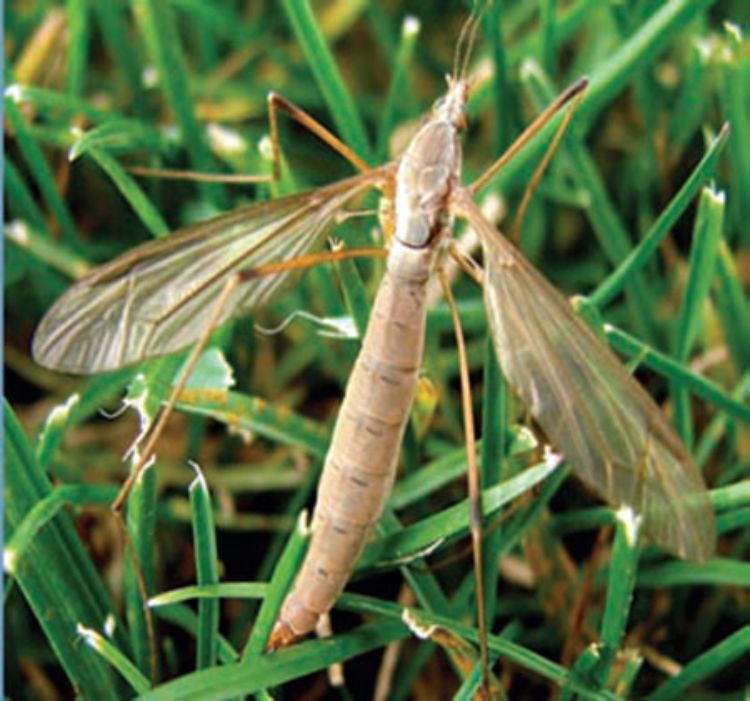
451,107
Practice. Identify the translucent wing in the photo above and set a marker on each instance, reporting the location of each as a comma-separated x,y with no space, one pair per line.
158,297
591,409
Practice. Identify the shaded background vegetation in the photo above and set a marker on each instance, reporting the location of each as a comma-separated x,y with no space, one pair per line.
93,87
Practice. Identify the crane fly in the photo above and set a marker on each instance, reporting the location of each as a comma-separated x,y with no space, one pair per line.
162,297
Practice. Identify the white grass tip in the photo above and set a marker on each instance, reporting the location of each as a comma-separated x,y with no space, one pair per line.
200,479
422,631
551,457
14,92
265,147
631,522
527,437
411,26
90,637
226,140
10,560
18,232
718,197
149,77
530,68
304,526
734,30
61,413
110,625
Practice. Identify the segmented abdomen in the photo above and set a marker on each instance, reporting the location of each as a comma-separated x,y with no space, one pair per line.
361,461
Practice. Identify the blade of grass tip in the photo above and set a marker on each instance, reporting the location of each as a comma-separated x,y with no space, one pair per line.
157,27
701,268
733,648
674,371
608,226
734,95
628,674
732,307
281,581
78,45
109,652
130,190
38,167
649,244
54,573
410,28
116,134
320,59
620,586
582,669
206,568
55,426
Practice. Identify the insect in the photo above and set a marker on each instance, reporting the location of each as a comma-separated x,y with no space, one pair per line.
162,297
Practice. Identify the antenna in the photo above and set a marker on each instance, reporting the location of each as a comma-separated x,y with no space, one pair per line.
466,39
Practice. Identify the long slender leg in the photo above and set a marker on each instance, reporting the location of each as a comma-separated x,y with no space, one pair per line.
301,262
229,287
568,94
515,233
276,101
475,495
179,385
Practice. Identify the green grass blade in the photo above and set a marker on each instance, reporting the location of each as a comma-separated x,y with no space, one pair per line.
676,372
78,44
54,572
321,62
206,568
711,662
130,190
111,653
642,253
38,167
701,270
157,27
281,581
399,83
